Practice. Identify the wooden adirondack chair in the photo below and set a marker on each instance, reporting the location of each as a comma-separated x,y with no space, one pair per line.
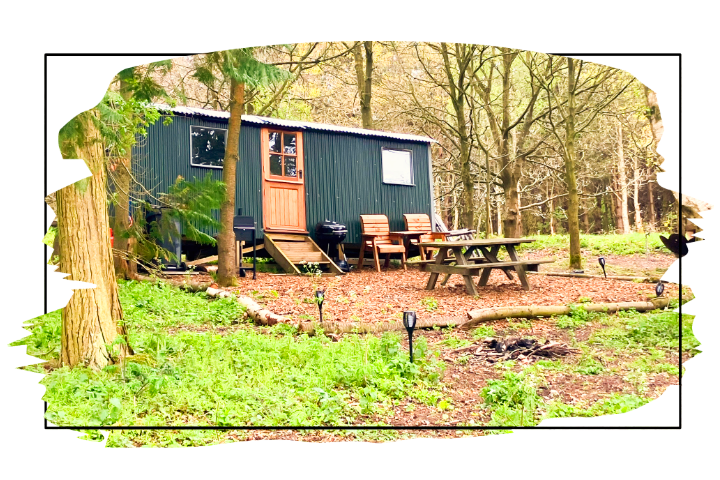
377,238
415,222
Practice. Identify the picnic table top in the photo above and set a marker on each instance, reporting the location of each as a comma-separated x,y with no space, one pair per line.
481,242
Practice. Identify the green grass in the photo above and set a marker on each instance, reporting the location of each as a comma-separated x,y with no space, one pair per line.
616,403
617,244
274,378
657,329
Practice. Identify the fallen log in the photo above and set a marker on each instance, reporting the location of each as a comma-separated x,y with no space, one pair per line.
587,275
257,313
486,314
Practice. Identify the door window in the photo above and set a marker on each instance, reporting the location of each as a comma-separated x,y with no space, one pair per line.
282,154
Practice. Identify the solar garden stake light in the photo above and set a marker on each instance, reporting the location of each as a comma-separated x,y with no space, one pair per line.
601,261
409,321
659,288
319,299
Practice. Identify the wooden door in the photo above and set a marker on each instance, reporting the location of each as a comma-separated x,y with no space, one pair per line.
283,181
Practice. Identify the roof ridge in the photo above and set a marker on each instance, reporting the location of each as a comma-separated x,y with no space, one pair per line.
293,123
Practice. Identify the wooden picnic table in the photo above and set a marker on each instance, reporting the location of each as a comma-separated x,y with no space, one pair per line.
468,267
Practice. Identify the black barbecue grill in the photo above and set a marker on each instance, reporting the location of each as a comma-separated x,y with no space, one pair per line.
244,228
329,236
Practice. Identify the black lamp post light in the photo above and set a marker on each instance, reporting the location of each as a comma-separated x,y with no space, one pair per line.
319,299
601,261
409,321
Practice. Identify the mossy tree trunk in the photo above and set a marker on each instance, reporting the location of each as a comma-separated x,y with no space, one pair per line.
570,175
92,334
363,70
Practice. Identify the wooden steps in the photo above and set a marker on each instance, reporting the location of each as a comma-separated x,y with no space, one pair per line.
290,251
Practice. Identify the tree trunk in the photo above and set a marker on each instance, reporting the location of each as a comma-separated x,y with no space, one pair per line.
651,205
617,206
570,176
363,71
585,220
622,179
90,332
226,237
488,198
499,219
124,266
636,196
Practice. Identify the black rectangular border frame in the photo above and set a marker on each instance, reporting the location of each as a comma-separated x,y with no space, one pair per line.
373,427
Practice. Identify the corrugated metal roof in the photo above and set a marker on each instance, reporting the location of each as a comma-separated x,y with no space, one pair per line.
200,112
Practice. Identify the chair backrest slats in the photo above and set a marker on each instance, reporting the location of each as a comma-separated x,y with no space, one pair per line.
377,225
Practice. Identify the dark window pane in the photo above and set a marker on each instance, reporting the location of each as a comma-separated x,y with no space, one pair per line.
275,142
289,143
207,146
276,165
290,166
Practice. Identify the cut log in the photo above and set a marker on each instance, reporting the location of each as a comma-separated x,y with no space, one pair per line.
610,277
257,313
486,314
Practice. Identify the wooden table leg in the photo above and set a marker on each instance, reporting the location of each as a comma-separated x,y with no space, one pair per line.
490,256
442,253
462,260
520,269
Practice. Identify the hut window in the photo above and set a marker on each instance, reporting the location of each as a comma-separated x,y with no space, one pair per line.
397,167
207,146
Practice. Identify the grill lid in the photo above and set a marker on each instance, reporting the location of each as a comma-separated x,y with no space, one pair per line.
331,228
243,222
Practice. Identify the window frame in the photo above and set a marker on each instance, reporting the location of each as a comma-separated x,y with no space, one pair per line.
299,155
219,167
382,166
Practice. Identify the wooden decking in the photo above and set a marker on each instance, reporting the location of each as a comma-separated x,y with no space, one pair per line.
290,251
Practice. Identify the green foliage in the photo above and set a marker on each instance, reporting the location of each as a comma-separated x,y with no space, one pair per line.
483,331
589,366
431,304
49,237
617,244
578,317
239,65
192,203
153,306
452,341
616,403
141,84
242,378
44,339
311,268
121,121
648,330
513,400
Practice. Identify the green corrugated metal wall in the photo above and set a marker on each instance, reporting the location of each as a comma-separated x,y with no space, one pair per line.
344,181
343,173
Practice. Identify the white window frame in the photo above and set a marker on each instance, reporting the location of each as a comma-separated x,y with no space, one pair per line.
394,181
191,145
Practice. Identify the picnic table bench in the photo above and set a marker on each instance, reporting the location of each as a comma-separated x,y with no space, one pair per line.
468,266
